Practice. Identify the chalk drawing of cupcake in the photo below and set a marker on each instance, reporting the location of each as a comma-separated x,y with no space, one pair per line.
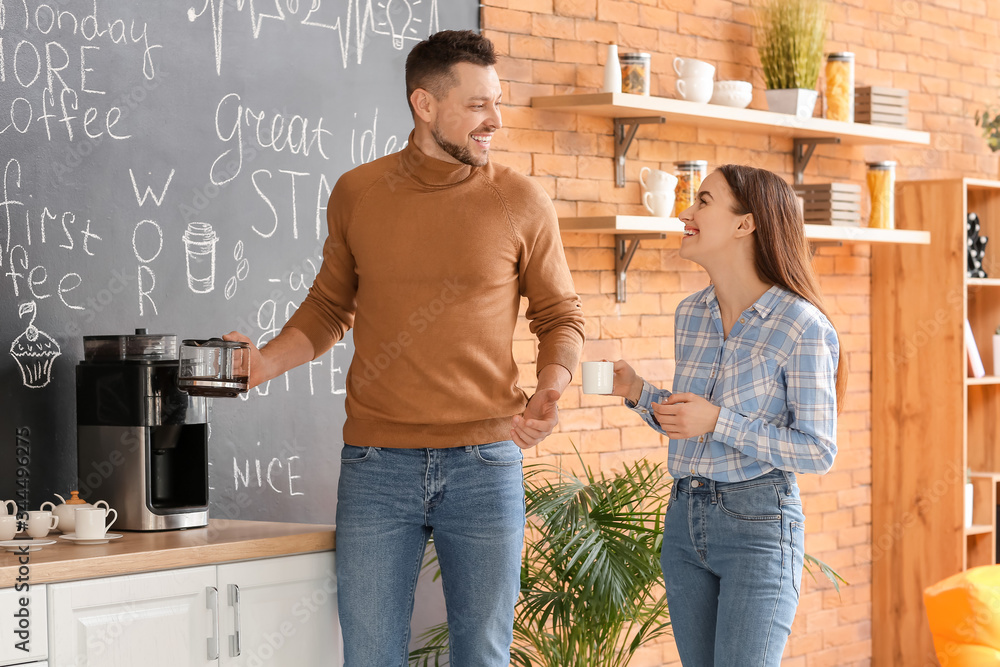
34,351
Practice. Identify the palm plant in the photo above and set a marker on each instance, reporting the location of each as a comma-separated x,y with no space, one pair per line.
591,587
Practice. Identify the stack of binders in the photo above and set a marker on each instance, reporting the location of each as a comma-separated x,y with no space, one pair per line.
878,105
830,204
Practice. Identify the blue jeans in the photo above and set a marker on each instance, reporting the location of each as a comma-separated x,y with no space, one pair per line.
732,566
388,504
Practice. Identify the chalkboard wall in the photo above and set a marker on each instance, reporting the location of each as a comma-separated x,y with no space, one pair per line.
167,165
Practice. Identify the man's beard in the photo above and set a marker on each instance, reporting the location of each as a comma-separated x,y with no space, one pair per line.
460,153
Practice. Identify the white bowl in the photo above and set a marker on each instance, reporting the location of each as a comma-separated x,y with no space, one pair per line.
732,93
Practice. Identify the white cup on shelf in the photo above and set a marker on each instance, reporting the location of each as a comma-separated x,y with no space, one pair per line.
689,67
696,89
657,180
660,203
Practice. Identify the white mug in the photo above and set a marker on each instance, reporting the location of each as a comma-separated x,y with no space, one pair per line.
687,68
90,522
8,527
659,203
13,507
696,89
657,180
598,377
40,522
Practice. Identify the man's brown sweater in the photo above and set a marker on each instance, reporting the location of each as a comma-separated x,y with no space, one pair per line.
427,260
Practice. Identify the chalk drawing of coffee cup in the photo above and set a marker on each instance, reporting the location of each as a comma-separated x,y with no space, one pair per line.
199,250
34,351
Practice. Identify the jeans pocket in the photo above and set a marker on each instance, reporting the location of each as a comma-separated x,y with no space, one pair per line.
753,503
503,453
797,531
352,454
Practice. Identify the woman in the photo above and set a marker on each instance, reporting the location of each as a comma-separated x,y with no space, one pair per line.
757,382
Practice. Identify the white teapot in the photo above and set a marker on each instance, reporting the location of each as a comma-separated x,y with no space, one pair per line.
67,510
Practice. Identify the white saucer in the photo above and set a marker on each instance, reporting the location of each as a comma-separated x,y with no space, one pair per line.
32,544
79,540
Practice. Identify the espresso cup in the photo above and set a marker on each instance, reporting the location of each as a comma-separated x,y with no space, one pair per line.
659,203
657,180
40,522
8,527
696,89
8,503
687,68
598,377
90,522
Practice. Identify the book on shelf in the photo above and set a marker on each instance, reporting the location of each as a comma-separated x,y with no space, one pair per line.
976,368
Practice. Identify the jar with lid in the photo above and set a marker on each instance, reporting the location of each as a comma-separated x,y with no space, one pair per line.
635,73
689,175
840,86
881,188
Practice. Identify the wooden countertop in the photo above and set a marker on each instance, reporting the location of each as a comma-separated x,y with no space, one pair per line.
221,541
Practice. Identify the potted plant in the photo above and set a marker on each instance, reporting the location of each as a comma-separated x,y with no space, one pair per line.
591,585
791,35
989,120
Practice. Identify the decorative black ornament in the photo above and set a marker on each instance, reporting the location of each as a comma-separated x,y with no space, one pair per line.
976,245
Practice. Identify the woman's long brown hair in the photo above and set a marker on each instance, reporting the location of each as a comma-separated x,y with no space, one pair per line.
781,252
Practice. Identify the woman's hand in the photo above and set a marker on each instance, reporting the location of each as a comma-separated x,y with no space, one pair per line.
627,383
685,415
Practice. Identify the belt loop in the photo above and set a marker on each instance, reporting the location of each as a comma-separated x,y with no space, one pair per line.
711,491
789,482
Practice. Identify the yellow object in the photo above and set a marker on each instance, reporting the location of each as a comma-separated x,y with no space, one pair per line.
689,174
881,187
840,86
964,615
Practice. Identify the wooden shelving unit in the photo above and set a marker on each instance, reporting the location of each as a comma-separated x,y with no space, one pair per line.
930,421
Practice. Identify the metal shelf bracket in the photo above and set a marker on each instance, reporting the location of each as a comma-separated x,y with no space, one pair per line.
625,129
803,152
625,247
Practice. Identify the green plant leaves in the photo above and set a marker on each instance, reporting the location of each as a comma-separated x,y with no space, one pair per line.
791,35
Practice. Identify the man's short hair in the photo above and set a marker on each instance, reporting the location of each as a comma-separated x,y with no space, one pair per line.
429,64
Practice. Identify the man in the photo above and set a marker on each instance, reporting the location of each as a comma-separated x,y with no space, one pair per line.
429,252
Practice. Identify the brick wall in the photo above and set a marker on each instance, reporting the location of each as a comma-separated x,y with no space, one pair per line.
939,50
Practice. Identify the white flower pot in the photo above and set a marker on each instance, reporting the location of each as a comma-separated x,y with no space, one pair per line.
796,101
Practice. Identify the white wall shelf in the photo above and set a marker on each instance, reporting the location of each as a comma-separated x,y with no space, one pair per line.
647,224
628,111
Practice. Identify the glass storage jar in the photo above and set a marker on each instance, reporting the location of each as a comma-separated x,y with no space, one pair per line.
881,188
635,73
840,86
689,175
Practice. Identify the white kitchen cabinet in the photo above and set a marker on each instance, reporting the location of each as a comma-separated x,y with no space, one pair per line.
30,619
279,612
273,612
158,619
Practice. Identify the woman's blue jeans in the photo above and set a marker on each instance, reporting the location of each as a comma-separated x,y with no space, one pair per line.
388,504
732,566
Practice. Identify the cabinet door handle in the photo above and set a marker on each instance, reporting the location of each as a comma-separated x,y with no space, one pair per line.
234,602
212,603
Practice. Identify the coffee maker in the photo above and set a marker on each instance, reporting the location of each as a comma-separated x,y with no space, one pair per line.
142,442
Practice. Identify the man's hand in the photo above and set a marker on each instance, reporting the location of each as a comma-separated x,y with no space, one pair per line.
256,358
685,415
540,416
